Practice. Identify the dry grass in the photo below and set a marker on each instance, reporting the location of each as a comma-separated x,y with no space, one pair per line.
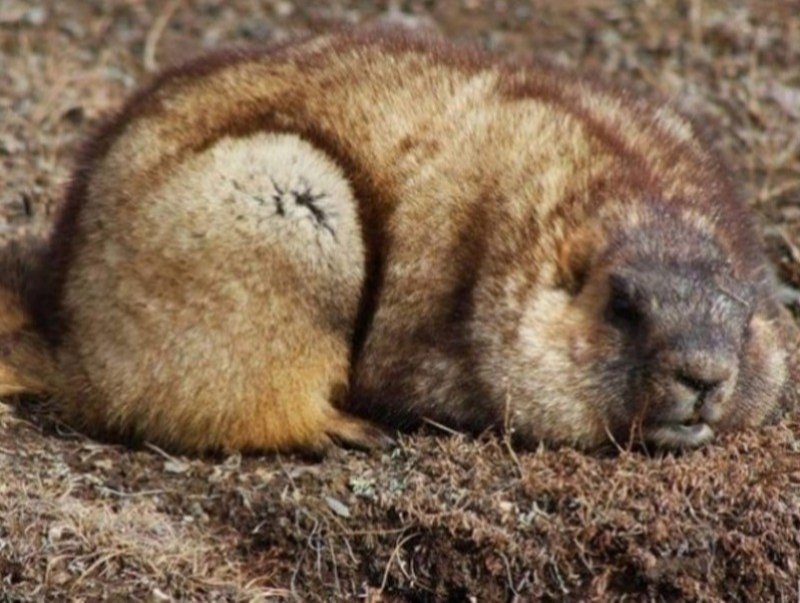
67,531
441,517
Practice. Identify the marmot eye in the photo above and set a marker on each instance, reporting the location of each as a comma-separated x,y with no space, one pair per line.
622,308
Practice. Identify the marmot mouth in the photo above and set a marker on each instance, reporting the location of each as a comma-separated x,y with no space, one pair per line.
679,436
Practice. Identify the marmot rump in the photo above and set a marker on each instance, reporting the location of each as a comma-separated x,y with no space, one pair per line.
274,249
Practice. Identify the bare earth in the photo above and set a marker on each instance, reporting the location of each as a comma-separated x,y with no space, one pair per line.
441,517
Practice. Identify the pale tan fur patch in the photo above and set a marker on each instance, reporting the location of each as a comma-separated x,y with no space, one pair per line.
216,310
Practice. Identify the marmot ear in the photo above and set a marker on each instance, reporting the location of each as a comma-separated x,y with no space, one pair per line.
574,260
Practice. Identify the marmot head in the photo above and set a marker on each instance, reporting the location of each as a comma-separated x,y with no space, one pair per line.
658,334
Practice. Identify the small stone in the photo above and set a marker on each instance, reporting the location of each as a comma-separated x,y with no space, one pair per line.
176,466
36,16
337,507
10,144
103,464
283,9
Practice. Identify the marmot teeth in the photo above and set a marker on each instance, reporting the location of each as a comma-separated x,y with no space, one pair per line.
262,246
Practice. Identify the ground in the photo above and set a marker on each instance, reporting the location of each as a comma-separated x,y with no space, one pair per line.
442,516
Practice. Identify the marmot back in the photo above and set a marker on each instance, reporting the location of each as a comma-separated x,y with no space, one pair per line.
377,224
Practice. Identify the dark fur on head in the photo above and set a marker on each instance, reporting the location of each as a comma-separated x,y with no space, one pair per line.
677,336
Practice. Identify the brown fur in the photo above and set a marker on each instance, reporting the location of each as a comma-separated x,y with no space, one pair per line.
467,241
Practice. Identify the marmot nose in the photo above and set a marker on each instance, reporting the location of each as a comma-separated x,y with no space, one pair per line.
702,385
704,372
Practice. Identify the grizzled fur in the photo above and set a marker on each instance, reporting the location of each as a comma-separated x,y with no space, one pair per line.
262,245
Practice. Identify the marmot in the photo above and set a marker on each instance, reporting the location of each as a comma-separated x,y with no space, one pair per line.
263,246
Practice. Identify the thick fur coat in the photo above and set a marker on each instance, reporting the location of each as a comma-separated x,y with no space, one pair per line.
262,245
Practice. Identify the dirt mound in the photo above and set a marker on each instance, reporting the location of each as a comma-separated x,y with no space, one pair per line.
438,518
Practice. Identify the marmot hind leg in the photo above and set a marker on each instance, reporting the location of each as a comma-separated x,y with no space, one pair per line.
217,311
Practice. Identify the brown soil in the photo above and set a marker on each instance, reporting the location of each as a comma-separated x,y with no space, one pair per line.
440,517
